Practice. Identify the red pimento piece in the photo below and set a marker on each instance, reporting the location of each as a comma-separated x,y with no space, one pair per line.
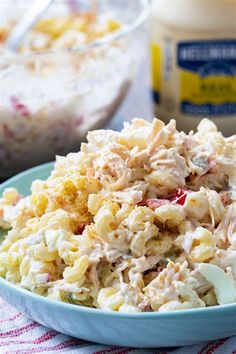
80,228
180,196
19,107
154,203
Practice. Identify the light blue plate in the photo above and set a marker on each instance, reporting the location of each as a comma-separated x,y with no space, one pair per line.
137,330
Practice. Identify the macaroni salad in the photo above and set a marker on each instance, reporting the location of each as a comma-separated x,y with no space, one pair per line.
138,220
63,31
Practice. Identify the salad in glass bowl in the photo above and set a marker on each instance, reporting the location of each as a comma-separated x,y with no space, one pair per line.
69,76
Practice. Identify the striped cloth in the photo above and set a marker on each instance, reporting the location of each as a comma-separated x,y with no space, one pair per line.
20,335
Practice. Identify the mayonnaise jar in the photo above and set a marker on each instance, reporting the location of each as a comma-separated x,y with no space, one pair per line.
193,51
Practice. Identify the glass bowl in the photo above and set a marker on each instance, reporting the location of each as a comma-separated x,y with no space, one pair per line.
49,100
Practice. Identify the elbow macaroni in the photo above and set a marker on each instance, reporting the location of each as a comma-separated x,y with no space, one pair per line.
203,245
76,273
129,223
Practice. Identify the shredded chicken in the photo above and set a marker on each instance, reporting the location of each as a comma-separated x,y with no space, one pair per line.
138,220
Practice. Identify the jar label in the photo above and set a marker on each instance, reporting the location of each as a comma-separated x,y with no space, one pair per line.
207,77
156,56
